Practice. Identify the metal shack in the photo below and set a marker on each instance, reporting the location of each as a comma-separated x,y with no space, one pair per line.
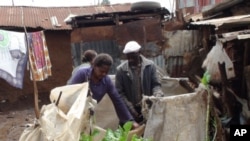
108,32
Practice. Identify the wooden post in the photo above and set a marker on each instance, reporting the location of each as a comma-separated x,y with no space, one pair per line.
37,110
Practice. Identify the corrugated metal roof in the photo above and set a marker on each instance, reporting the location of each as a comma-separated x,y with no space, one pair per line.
35,17
242,19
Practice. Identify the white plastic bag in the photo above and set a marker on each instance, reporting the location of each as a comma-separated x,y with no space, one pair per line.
218,55
56,124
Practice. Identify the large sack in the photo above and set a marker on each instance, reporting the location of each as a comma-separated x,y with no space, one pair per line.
65,121
105,114
171,86
56,124
180,117
69,94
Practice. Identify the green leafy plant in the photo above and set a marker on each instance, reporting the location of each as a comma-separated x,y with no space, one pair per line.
89,137
206,78
121,134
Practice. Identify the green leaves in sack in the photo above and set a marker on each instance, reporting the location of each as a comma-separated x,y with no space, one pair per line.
206,78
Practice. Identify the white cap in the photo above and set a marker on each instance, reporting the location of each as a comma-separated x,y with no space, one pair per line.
131,46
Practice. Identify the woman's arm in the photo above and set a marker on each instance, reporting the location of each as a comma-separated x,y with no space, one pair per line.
121,109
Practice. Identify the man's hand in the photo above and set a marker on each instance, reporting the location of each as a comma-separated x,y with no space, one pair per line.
158,94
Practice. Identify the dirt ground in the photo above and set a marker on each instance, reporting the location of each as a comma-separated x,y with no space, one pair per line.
15,115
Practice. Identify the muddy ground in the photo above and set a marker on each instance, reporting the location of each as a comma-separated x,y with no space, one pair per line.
15,115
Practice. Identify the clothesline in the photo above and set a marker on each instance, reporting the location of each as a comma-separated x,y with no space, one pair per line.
14,53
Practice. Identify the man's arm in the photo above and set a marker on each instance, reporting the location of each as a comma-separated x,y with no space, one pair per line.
156,81
119,84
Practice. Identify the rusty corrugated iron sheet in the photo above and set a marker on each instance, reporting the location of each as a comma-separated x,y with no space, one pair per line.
39,17
219,22
92,34
183,46
111,47
101,46
142,31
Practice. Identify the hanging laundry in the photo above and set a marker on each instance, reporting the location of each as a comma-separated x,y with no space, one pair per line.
13,57
39,56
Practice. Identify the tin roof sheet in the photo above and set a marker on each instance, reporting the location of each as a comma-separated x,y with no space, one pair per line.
40,17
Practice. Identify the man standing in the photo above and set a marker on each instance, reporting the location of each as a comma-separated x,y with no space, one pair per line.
136,77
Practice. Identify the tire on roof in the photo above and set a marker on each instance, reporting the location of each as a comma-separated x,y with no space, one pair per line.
145,5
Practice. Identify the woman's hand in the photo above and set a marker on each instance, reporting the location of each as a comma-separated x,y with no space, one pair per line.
135,125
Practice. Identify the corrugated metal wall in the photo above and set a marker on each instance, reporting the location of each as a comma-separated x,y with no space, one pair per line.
172,59
105,46
181,42
159,61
